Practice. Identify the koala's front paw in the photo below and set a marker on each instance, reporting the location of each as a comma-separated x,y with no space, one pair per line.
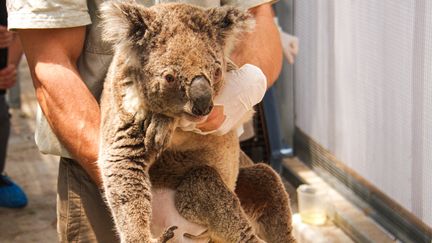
158,131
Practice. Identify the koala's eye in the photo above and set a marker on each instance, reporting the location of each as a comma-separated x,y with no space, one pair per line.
169,78
226,22
218,74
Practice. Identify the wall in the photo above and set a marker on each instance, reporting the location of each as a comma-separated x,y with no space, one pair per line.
363,90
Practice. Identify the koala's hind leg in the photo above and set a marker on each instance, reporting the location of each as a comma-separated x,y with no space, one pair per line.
203,198
265,201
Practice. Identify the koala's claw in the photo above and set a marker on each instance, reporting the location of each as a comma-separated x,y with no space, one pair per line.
168,234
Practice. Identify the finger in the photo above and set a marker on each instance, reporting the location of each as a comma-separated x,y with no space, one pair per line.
295,47
8,73
5,40
216,111
11,74
212,125
6,84
214,121
11,66
8,76
7,70
290,58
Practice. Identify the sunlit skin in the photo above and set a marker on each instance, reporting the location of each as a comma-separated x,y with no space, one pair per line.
261,48
71,109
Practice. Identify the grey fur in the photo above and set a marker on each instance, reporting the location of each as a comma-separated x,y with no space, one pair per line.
158,51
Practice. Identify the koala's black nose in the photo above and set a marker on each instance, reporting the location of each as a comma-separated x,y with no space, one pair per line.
201,96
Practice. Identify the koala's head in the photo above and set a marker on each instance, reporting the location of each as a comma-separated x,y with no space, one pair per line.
174,54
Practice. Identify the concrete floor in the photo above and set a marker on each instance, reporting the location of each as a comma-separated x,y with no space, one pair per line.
36,173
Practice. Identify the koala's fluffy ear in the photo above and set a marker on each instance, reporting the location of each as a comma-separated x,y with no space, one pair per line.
229,22
125,20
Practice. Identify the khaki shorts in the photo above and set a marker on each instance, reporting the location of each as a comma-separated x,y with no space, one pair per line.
82,215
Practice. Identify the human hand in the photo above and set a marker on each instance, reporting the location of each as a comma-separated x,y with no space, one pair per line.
6,37
243,89
290,43
290,46
214,119
8,76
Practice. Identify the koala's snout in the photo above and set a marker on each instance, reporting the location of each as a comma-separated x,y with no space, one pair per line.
201,96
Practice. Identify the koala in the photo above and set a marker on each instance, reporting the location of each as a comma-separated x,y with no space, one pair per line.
169,63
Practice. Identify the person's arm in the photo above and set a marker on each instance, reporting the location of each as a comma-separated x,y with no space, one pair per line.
262,47
68,105
15,51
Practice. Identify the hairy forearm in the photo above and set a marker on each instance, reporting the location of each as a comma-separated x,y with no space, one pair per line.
68,105
72,112
262,47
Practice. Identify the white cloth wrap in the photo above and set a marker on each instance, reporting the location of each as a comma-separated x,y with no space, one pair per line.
243,89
